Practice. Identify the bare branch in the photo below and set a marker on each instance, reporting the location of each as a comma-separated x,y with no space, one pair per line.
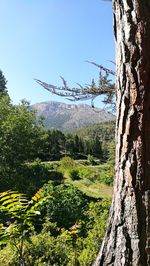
106,70
87,92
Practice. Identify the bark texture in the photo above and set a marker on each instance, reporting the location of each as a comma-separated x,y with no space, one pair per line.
127,240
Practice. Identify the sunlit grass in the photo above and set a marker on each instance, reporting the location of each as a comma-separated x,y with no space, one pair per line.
92,180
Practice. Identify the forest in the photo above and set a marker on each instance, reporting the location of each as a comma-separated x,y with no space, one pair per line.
53,185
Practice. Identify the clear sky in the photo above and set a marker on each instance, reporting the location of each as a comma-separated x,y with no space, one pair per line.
49,38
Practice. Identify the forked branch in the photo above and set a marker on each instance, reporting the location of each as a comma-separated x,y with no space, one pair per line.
90,91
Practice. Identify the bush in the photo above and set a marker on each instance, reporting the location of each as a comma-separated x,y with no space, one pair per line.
51,165
56,177
84,172
67,162
8,256
106,178
30,177
54,251
107,174
91,159
75,246
74,174
65,204
97,218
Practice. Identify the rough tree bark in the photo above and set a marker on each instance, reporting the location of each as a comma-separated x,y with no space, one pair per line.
127,240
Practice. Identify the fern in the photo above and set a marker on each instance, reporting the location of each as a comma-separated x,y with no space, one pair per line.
18,215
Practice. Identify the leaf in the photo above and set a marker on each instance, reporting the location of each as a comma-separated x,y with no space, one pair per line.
36,196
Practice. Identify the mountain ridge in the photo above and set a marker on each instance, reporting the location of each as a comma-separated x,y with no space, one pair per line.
68,117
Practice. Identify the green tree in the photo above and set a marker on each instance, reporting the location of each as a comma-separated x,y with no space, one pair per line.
3,88
21,139
54,145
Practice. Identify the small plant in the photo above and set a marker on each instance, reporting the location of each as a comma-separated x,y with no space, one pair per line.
74,174
67,162
18,215
91,159
106,178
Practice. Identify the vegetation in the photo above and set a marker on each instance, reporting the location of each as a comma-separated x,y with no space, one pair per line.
3,88
58,144
73,174
64,245
17,216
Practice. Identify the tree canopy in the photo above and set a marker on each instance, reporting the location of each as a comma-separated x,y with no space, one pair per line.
3,88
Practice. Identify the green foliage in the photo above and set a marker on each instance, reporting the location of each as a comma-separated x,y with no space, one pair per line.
43,249
8,256
103,132
87,172
98,215
67,162
55,251
90,179
107,173
72,227
91,159
111,152
75,246
66,204
53,145
74,174
51,165
3,88
18,217
21,138
58,145
69,167
30,177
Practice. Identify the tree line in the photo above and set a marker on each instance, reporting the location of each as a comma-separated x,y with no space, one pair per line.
58,144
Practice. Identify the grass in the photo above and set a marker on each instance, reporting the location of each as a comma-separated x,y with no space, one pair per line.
94,189
94,181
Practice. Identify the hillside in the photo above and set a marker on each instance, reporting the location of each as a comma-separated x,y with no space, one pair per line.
104,131
68,117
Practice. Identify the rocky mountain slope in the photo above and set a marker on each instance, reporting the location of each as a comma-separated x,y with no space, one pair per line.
67,117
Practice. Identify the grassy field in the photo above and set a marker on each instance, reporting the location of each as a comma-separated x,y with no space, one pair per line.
93,180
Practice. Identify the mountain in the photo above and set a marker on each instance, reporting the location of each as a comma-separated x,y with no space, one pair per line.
68,117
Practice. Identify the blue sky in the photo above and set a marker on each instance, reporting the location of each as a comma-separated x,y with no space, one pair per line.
49,38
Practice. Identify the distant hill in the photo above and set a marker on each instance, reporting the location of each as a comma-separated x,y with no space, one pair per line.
104,131
68,117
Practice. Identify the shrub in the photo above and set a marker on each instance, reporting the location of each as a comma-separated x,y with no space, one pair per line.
56,177
54,251
97,217
67,162
29,178
50,165
8,256
106,178
75,246
65,204
107,174
84,172
74,174
91,159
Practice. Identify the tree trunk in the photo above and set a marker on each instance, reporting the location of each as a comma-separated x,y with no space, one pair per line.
127,240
